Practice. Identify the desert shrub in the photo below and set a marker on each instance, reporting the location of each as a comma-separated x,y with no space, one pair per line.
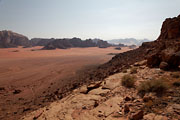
157,86
144,87
133,70
175,75
128,81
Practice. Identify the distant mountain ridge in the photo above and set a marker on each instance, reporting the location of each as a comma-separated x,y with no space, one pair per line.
76,42
128,41
9,39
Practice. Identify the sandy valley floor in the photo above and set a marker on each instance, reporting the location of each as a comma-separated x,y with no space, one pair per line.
28,73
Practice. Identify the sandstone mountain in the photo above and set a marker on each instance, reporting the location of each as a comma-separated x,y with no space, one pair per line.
10,39
75,42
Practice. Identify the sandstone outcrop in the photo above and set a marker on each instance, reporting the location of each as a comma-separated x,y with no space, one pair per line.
75,42
40,41
10,39
167,46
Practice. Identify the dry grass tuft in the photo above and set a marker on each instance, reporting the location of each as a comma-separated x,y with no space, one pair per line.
158,86
128,81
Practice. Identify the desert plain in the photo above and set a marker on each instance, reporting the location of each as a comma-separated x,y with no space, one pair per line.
28,75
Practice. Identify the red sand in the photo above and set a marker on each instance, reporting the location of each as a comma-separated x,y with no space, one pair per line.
41,71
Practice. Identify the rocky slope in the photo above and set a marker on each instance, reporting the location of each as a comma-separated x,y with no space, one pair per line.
109,100
10,39
75,42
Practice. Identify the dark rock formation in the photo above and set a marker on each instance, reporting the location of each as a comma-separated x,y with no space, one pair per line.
75,42
167,46
103,44
10,39
40,41
118,48
164,66
170,29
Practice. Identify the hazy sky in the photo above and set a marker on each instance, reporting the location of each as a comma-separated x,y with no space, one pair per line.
106,19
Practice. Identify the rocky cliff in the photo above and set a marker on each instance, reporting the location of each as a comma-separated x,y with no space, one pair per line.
170,29
10,39
166,51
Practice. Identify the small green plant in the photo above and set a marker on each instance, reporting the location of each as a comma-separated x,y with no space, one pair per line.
133,70
157,86
128,81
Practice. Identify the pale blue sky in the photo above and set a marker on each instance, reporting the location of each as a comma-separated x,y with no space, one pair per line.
105,19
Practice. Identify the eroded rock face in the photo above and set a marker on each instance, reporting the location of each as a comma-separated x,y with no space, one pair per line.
10,39
167,46
170,29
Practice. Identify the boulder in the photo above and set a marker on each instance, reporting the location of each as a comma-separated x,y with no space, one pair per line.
117,48
147,98
153,61
83,89
126,108
94,86
164,66
160,117
149,116
171,57
137,116
127,98
17,91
